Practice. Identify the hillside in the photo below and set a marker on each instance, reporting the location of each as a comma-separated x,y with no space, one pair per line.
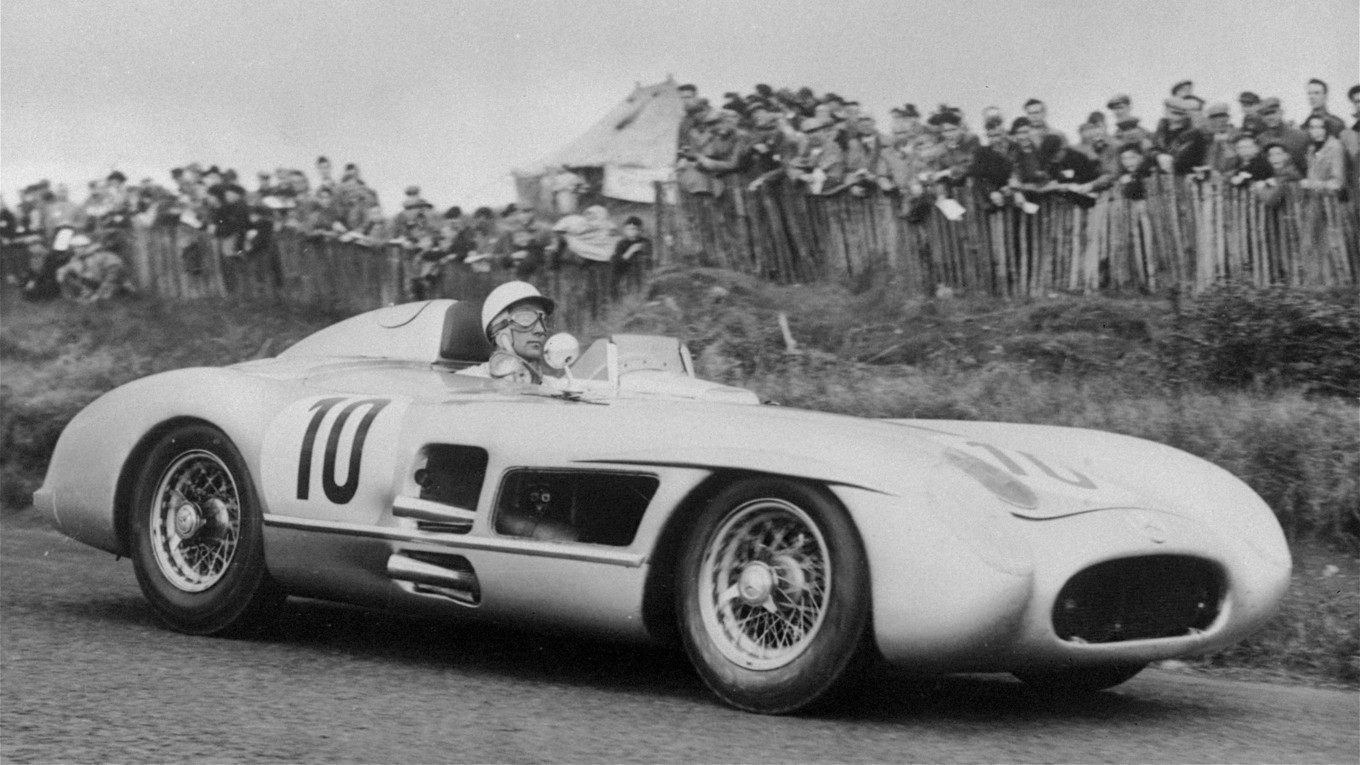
1262,383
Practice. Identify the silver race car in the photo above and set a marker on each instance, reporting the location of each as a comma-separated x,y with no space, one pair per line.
788,551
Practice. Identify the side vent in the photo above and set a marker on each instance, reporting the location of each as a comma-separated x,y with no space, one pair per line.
438,574
434,516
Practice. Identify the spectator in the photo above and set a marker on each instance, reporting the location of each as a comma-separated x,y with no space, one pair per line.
323,173
1248,165
1121,106
1129,131
1283,172
1317,103
231,221
991,163
1251,105
1181,147
1326,156
865,164
1276,130
906,124
1220,153
1350,137
322,218
959,149
764,152
1095,145
1037,112
1074,173
40,282
632,258
93,273
565,187
413,223
703,165
1135,167
1029,169
692,114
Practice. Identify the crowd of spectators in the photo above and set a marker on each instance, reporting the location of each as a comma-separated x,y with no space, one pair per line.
824,144
80,249
828,144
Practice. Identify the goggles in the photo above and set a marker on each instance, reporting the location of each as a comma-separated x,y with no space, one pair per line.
524,319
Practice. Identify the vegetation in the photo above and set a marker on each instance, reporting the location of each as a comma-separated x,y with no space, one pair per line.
1262,382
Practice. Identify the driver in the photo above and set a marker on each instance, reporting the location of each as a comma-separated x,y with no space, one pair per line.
515,317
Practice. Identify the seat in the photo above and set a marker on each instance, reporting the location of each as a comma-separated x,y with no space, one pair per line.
464,342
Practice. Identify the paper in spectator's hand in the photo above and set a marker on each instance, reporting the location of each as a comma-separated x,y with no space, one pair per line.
951,209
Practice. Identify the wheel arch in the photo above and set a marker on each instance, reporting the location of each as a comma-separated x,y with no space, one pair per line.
128,473
658,601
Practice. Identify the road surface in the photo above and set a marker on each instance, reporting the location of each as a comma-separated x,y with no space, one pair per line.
87,674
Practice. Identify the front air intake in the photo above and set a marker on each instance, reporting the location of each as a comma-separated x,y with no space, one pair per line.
1155,596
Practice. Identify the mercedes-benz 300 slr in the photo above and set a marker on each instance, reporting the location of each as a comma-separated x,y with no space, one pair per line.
788,551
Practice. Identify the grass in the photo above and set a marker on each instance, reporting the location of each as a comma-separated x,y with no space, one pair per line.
1106,363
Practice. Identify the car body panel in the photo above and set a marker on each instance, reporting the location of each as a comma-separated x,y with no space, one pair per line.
970,529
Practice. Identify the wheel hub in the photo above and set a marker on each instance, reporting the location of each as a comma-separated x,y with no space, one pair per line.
755,583
188,520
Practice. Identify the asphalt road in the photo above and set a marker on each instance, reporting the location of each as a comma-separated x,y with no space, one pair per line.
87,674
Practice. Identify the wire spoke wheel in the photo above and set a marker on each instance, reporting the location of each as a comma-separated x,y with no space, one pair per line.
195,521
196,535
772,596
766,579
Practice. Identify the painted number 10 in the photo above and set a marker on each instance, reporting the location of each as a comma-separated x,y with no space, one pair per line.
338,493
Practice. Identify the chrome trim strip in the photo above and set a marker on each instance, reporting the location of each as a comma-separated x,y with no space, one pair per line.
490,544
704,466
426,510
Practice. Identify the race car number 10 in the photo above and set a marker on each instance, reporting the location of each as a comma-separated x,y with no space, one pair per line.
338,493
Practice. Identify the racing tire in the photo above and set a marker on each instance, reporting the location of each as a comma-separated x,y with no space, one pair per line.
1079,680
773,597
197,536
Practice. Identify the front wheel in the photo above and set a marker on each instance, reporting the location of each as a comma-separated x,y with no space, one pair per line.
773,596
1079,679
197,536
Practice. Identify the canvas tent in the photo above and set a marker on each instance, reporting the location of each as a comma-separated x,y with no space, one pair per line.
623,154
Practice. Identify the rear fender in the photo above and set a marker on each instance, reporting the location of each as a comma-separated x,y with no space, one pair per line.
95,464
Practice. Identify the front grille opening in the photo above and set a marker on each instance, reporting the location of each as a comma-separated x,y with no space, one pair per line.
1154,596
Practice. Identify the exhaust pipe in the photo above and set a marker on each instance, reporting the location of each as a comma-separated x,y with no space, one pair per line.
450,576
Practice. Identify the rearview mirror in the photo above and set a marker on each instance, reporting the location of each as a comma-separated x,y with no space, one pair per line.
561,350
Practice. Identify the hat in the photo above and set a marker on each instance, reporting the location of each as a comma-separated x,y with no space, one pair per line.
1271,104
1248,98
944,118
1181,104
412,191
993,121
1095,118
1020,122
1119,100
80,240
910,111
414,202
509,294
117,176
1182,84
633,220
1219,108
1128,123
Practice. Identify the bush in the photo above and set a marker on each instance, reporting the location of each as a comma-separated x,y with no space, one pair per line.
1239,336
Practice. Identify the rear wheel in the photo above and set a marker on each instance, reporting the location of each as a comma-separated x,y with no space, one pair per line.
773,596
1080,679
197,536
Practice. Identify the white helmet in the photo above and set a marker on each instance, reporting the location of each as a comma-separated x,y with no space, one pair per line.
507,295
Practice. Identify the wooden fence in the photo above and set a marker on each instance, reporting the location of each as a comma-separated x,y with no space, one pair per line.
184,263
1185,232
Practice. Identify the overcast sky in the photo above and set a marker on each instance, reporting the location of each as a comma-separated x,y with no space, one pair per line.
452,95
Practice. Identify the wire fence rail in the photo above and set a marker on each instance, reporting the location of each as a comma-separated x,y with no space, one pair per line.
1185,232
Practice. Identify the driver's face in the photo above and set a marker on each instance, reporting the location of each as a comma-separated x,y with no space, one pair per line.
528,343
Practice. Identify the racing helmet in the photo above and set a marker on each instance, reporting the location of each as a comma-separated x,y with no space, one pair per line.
507,295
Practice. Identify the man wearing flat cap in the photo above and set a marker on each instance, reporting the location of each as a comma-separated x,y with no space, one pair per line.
701,167
1180,147
1222,135
1120,106
1276,130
